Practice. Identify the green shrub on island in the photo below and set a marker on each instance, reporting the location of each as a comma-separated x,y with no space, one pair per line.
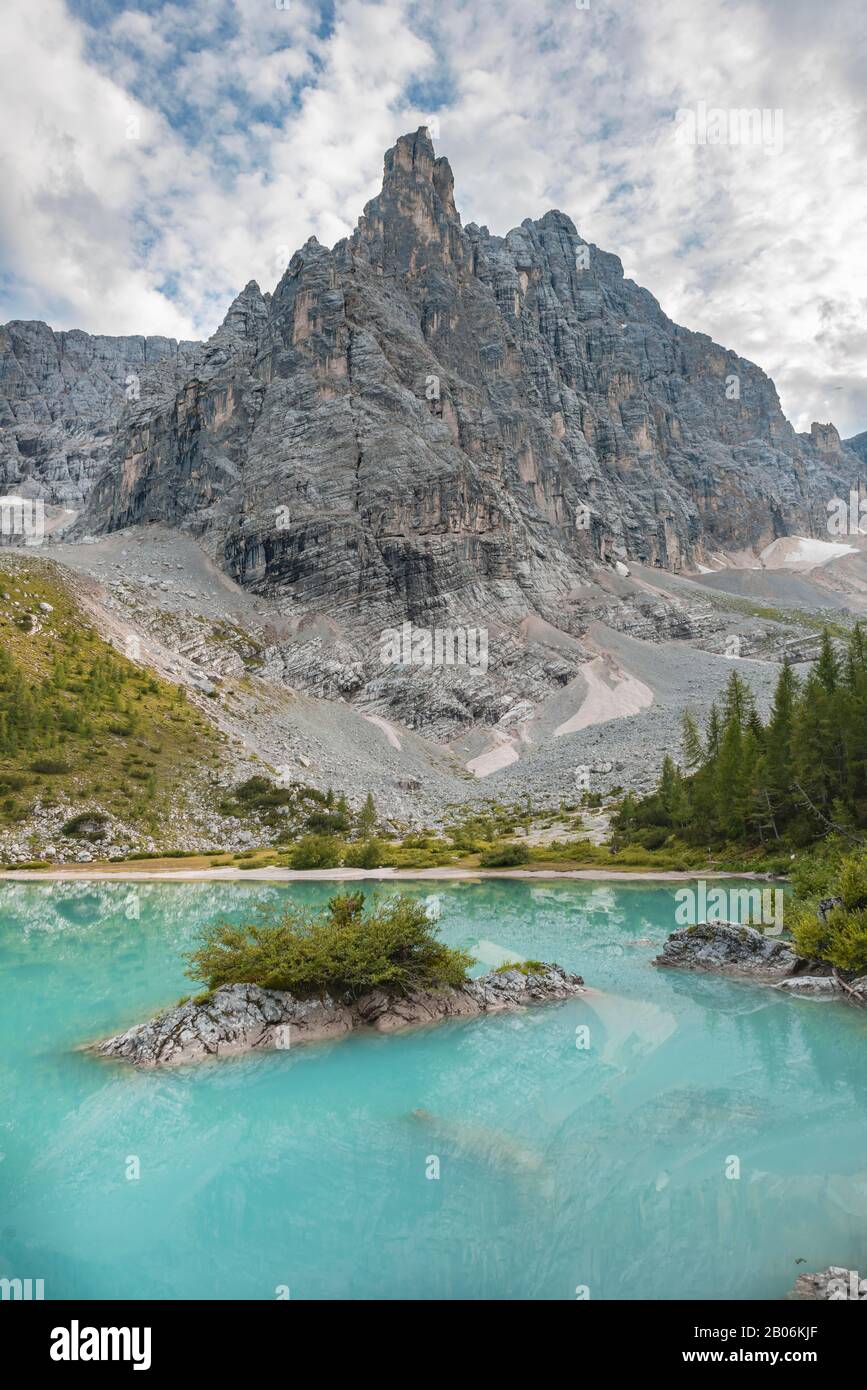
316,852
526,967
505,856
343,951
832,924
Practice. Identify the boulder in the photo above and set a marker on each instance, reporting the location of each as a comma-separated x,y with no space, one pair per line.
730,949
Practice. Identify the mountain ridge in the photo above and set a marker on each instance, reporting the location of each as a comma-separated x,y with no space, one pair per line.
433,424
434,261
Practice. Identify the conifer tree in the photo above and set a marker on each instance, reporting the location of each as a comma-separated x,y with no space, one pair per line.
738,702
827,668
713,732
730,781
693,749
367,818
777,767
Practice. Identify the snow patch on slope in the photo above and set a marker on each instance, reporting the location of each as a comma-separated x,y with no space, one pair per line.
807,552
611,694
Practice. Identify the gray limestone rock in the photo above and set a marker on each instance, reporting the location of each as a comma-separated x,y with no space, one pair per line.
245,1018
62,396
727,948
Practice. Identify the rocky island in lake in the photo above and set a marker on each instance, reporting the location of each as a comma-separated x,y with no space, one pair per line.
727,948
245,1018
277,982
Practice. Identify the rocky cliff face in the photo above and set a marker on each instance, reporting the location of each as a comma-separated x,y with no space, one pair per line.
858,445
427,423
428,408
61,397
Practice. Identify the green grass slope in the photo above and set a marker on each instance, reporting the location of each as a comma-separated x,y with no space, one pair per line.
80,725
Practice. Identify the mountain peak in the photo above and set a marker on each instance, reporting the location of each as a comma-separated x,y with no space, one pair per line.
411,152
825,436
245,315
555,218
412,158
413,221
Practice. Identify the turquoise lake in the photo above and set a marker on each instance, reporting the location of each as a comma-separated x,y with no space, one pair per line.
560,1166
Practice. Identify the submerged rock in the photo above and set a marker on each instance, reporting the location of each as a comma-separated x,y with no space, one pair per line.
246,1018
731,949
480,1142
812,986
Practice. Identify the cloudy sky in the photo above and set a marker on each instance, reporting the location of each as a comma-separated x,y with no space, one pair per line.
157,156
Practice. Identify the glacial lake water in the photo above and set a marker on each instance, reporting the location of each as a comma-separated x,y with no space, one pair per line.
560,1167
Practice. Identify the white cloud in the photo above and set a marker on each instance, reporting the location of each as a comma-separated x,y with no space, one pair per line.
260,126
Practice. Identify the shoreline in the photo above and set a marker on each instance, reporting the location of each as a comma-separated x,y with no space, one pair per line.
232,874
